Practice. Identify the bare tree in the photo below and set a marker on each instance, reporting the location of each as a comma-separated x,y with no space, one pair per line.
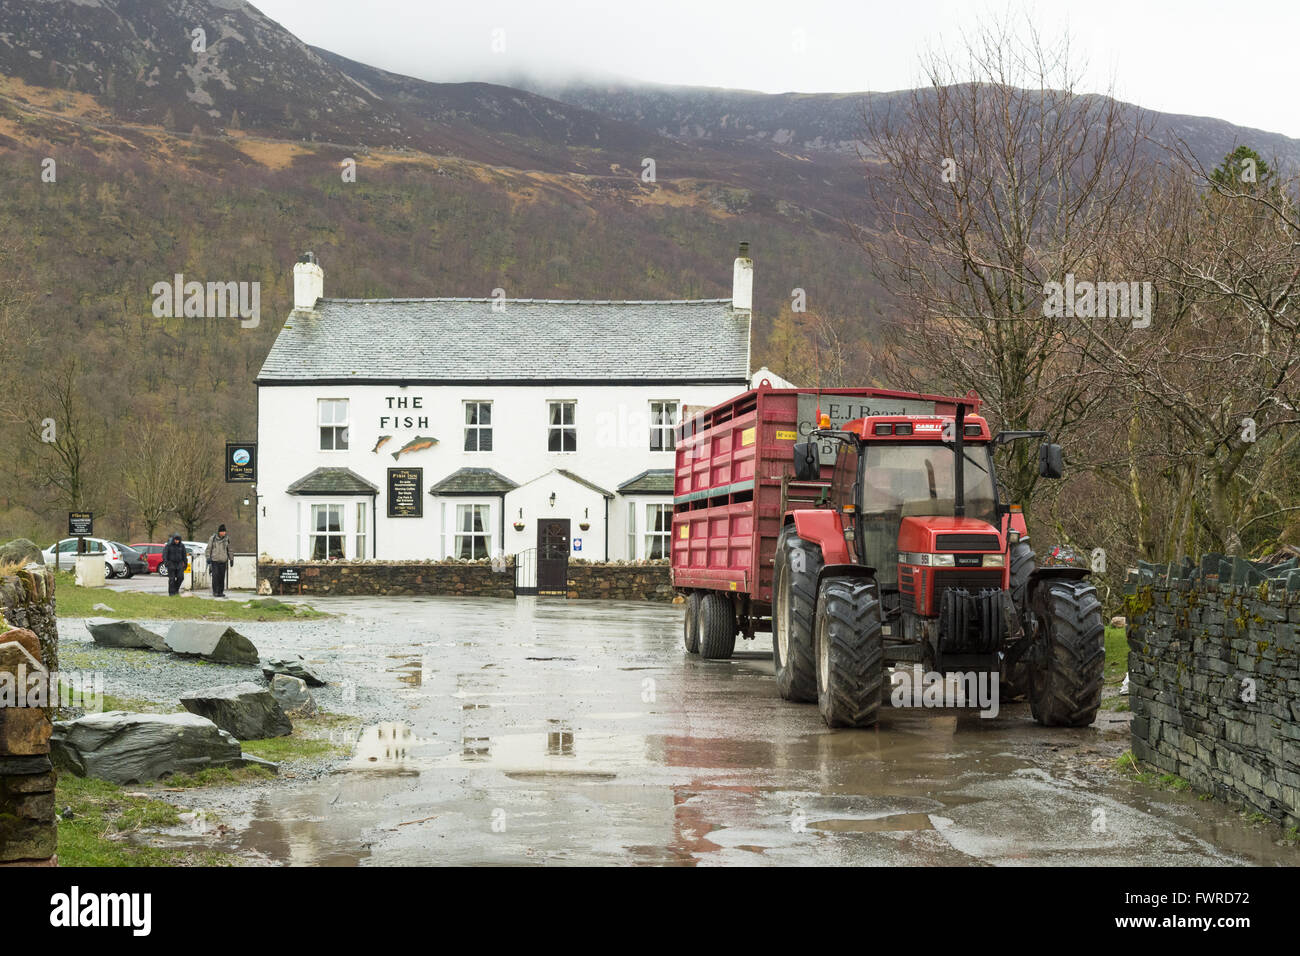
993,181
150,471
197,468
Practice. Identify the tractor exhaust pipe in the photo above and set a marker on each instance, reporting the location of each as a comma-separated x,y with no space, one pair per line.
959,464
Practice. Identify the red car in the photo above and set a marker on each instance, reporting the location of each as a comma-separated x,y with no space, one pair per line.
152,554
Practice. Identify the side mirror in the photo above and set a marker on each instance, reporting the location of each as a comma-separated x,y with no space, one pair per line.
1050,464
807,462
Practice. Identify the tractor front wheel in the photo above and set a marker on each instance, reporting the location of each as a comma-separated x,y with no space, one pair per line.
1066,665
794,601
716,627
1013,683
849,652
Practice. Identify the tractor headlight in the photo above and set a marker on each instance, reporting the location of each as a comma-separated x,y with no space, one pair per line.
1013,538
995,560
943,560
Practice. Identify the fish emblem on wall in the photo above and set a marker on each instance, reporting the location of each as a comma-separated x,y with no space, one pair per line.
417,443
383,440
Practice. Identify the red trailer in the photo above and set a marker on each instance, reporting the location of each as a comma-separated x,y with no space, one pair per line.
865,529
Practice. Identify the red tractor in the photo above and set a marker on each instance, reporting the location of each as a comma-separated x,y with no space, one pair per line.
918,562
881,542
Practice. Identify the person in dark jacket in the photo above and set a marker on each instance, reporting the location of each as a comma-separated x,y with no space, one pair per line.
220,557
175,558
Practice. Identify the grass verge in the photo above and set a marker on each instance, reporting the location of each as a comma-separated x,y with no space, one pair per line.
313,739
103,819
75,601
1116,669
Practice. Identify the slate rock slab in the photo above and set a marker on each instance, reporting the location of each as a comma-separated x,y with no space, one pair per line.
292,695
111,633
293,667
219,643
134,748
247,710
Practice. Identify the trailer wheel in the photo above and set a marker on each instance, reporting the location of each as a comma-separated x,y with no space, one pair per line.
689,634
1013,684
794,601
716,627
849,652
1065,671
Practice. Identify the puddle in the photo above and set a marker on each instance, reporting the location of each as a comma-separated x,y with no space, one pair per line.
895,821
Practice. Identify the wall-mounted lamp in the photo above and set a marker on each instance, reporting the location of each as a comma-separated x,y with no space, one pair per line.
552,499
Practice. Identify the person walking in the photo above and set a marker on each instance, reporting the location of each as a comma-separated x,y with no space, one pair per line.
174,558
220,557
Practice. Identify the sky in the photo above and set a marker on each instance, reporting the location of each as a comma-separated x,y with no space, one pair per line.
1191,56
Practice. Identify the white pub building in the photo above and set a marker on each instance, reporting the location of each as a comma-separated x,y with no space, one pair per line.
414,429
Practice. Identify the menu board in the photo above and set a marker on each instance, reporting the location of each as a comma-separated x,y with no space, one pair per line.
404,488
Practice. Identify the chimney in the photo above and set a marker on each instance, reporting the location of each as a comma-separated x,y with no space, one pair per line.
308,282
742,281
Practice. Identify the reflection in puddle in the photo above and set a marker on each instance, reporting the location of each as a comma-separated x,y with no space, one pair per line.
476,747
893,822
559,742
385,747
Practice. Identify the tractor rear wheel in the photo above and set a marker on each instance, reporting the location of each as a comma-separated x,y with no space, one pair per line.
849,652
716,627
689,635
1013,683
1066,666
794,601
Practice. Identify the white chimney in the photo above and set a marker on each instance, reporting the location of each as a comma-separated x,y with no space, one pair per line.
308,282
742,281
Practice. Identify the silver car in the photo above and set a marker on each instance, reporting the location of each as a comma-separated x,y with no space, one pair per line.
63,554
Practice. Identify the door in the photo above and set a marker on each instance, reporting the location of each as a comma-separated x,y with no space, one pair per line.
553,556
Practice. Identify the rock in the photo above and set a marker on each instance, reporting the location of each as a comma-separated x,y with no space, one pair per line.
124,634
21,551
247,711
134,748
102,607
265,603
292,695
294,668
264,586
219,643
1119,620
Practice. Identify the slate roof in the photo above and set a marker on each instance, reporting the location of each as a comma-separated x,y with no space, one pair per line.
474,481
534,340
653,481
332,481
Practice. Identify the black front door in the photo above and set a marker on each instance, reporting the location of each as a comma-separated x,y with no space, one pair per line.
553,556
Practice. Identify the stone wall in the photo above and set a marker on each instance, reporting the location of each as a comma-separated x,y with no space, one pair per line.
28,831
621,582
615,582
460,578
1214,679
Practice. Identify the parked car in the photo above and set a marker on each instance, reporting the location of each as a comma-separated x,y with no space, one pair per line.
153,556
63,554
135,561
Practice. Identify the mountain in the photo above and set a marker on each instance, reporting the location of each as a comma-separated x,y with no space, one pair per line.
224,164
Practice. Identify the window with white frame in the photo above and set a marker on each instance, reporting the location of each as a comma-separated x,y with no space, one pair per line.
467,531
361,530
631,530
562,433
325,537
663,420
478,426
658,530
332,417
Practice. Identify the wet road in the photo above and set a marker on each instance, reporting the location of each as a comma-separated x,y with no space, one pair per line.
578,732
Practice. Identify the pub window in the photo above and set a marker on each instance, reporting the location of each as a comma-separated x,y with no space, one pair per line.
473,538
326,532
631,530
658,530
562,434
332,416
361,530
478,426
663,419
